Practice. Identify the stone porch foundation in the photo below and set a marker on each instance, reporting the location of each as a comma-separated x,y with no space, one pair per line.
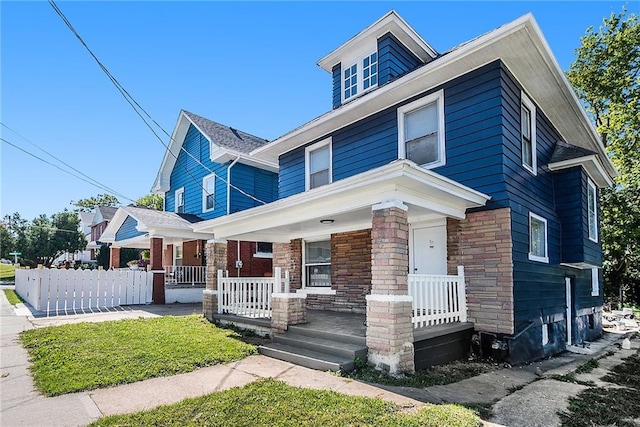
287,309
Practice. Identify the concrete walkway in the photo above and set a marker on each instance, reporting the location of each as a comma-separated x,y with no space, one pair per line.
521,396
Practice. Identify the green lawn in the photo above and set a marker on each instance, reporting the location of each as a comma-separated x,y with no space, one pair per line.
269,402
7,271
86,356
12,296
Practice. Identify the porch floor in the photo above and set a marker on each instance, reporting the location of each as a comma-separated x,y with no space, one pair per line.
338,323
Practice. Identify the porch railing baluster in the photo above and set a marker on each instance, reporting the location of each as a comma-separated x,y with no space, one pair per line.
437,299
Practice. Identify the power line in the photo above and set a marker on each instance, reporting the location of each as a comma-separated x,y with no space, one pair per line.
97,183
138,108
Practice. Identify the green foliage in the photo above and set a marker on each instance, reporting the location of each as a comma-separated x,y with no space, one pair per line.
128,254
12,296
606,76
103,256
85,356
90,203
587,366
269,402
7,271
13,235
153,201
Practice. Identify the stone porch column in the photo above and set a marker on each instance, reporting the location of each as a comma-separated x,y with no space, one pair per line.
389,327
216,251
114,257
157,294
287,309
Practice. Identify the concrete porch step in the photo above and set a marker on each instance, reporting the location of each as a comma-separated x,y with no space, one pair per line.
307,358
310,331
330,345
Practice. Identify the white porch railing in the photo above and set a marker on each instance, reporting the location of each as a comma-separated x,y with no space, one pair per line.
438,299
250,296
185,275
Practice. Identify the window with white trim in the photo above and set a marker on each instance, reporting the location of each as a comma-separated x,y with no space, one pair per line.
592,210
178,255
318,164
264,250
208,193
350,81
538,250
421,131
317,264
370,71
179,200
528,134
595,282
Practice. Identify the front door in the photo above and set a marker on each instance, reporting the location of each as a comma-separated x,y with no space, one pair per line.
429,250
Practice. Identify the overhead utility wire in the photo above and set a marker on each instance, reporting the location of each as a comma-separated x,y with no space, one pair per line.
137,108
97,183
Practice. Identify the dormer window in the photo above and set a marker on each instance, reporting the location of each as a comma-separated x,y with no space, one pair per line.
361,76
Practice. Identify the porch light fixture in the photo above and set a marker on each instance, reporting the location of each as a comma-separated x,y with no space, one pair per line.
327,221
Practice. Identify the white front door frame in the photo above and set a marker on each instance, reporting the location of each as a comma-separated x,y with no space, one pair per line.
428,247
569,303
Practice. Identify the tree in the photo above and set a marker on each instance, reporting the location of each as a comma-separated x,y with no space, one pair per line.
48,238
16,226
153,201
606,76
90,203
6,242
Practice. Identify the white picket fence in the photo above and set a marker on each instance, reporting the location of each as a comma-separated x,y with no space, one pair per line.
250,296
438,299
60,290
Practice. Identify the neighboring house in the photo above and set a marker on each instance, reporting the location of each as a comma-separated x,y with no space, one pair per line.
204,174
101,217
480,157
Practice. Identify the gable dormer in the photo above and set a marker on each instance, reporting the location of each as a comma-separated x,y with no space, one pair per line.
385,50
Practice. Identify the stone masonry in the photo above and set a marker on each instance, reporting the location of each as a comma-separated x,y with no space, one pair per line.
389,328
482,243
287,309
351,270
288,256
216,252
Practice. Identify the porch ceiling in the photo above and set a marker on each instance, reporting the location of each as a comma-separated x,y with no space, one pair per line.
348,204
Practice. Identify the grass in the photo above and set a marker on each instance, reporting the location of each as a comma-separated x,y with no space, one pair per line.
610,406
269,402
7,271
87,356
436,375
12,296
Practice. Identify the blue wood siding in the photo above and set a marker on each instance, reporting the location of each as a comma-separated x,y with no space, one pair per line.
394,60
259,183
336,88
128,230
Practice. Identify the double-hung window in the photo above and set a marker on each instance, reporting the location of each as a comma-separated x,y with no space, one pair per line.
421,131
317,264
179,200
318,164
208,193
592,210
538,250
528,133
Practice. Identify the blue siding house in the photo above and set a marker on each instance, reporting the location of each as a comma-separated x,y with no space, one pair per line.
205,173
480,157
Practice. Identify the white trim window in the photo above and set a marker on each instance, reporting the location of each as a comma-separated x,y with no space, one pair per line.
177,255
528,134
361,75
350,81
592,210
209,193
538,249
317,264
595,282
318,159
421,131
264,250
179,200
370,71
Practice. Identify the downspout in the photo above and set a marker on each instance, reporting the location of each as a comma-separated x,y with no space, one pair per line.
229,208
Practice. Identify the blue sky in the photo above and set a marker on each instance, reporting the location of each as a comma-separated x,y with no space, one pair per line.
248,65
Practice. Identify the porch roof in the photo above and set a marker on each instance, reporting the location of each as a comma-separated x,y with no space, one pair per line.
346,205
168,225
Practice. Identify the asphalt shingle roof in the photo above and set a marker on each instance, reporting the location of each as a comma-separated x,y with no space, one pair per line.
566,151
225,136
159,219
107,212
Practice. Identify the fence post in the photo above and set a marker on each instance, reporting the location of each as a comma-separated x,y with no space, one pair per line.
219,286
286,281
277,276
462,294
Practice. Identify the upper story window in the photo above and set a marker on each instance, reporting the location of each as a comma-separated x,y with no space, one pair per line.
421,131
317,261
528,133
360,76
592,210
318,164
179,200
538,238
208,193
